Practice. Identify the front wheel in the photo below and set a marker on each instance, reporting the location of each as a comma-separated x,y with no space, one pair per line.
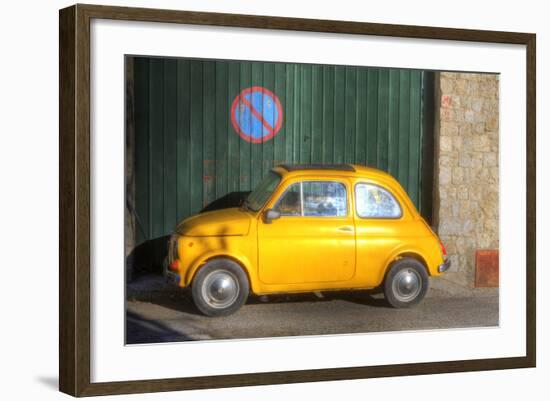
406,283
220,288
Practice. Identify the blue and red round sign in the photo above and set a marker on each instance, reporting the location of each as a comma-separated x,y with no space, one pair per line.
256,114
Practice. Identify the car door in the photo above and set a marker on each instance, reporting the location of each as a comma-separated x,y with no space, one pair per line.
313,240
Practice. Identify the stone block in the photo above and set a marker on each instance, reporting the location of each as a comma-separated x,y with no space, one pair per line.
463,192
492,123
451,226
477,162
465,129
491,226
464,160
449,129
458,142
461,86
490,159
446,143
477,104
445,176
458,175
446,115
474,194
482,143
478,128
458,116
445,84
483,240
447,101
448,159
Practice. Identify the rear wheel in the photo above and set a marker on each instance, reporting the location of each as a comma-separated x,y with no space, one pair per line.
406,283
220,288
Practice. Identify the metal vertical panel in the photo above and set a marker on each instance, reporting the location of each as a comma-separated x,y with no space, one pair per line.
141,160
233,140
221,157
393,122
170,157
372,117
383,127
209,132
339,127
297,133
183,139
350,111
245,81
403,138
328,113
279,142
415,137
156,148
304,116
267,148
317,114
361,116
196,105
289,110
255,155
189,154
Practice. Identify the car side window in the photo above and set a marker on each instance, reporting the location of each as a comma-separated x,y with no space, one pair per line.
314,199
290,204
373,201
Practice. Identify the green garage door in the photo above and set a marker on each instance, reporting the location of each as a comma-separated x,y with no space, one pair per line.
192,148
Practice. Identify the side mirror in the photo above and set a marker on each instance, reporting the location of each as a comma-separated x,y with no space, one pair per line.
270,215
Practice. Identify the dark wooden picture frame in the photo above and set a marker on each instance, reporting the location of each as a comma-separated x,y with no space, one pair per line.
74,203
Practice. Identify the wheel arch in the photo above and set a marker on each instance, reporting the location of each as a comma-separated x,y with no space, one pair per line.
193,272
408,254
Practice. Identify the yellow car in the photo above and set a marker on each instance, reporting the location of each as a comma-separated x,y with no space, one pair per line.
308,228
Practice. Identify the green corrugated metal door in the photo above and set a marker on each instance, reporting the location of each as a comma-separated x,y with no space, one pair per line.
188,153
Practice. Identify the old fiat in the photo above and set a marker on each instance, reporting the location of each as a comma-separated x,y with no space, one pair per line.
308,228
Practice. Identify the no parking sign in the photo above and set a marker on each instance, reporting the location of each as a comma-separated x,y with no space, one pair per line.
256,114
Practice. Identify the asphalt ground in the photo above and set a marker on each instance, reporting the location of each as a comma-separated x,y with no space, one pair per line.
157,312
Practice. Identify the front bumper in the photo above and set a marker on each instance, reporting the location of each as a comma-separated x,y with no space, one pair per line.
444,267
171,276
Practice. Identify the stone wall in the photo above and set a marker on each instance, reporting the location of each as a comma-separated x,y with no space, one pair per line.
466,203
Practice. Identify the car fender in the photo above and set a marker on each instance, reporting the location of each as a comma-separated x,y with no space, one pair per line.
407,250
240,258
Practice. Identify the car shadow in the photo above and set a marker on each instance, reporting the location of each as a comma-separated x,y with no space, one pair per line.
370,298
154,289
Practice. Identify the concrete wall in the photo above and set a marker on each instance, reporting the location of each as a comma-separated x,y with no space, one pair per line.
466,204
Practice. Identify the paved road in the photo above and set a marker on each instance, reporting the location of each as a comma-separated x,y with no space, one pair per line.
156,313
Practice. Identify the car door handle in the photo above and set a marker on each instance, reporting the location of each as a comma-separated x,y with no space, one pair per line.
345,228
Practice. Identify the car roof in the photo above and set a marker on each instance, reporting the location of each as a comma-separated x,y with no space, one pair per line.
350,170
318,166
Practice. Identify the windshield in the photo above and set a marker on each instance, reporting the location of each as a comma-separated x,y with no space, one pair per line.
263,191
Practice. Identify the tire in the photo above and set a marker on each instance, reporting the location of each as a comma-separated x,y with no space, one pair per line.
220,288
406,283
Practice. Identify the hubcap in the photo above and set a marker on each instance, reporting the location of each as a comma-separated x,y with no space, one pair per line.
220,289
406,285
